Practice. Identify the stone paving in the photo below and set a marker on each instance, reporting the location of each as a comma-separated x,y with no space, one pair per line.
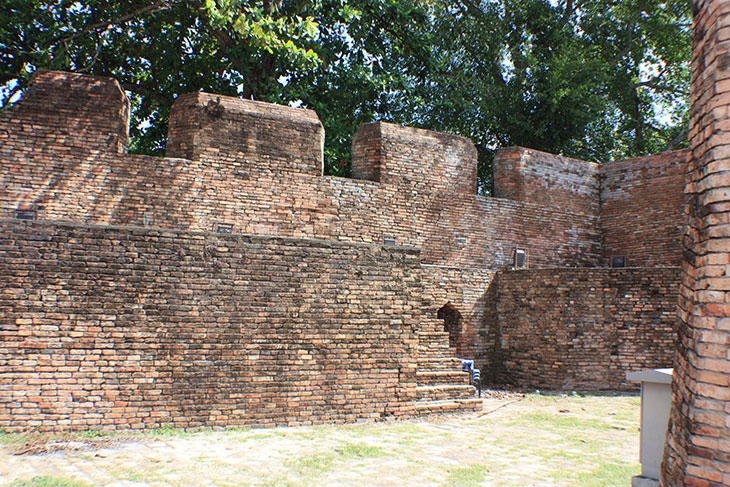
561,440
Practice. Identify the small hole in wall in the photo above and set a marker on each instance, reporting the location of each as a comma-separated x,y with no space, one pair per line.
223,227
520,259
25,214
388,240
618,261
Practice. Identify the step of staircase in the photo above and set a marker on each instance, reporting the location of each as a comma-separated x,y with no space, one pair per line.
443,387
424,408
443,392
438,362
432,376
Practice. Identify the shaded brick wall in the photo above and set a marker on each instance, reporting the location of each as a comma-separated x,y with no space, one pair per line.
118,327
66,113
641,209
466,290
584,328
546,179
697,453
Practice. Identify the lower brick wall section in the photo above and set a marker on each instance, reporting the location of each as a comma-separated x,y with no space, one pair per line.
119,327
584,328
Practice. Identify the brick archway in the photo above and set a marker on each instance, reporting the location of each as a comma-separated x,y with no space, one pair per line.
453,323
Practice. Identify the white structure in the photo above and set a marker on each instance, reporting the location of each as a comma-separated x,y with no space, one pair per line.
656,400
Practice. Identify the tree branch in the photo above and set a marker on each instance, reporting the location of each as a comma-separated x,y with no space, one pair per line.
654,86
99,26
678,139
566,14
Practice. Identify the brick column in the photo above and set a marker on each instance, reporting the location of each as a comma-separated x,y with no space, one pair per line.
698,443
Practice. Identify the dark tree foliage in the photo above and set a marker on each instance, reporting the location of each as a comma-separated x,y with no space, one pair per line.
598,80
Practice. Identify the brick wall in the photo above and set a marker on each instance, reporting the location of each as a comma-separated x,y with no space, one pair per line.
584,328
546,179
118,327
255,166
466,290
641,209
414,158
66,113
697,453
247,136
484,232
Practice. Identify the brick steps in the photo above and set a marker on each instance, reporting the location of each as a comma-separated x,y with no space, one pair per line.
450,375
442,386
445,392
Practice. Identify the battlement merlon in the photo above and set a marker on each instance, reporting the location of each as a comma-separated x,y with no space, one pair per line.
72,110
394,154
546,179
250,134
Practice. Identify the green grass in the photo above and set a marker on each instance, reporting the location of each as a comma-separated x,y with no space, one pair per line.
607,475
48,481
467,476
312,465
360,450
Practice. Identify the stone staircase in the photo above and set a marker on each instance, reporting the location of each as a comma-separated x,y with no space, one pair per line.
442,386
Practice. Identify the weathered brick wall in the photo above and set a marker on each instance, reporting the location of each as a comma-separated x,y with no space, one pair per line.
67,113
118,327
546,179
641,209
415,159
697,453
257,168
253,166
584,328
484,232
466,290
247,136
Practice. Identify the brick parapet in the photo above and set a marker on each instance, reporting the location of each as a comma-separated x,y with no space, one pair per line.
198,195
407,156
697,452
66,112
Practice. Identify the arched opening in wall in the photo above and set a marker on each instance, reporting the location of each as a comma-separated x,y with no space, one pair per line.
452,323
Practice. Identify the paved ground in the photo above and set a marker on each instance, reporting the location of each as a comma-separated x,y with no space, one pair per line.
516,441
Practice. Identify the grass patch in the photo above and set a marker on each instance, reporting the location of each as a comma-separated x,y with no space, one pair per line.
467,476
48,481
313,465
360,450
11,438
167,432
562,421
608,475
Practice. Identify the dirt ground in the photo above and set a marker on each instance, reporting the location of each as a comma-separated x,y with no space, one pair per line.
516,440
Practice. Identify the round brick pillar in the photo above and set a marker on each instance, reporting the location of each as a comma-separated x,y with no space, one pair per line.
698,442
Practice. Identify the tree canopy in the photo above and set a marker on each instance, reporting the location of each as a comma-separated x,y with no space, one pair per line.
593,79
